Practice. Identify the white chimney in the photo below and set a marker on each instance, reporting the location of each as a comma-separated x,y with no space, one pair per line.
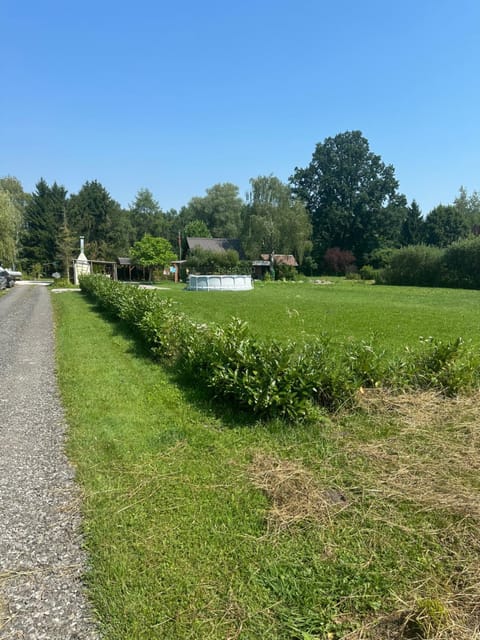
81,265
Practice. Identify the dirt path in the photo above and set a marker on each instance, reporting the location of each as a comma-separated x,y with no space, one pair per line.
41,594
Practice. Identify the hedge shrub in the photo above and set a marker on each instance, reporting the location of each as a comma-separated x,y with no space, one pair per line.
456,266
270,378
418,265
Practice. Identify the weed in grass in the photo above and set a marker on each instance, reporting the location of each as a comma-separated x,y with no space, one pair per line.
429,616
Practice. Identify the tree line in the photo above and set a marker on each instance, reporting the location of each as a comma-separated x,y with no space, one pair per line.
345,203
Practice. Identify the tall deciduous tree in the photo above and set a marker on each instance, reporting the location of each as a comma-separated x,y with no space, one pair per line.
274,220
351,195
13,201
197,229
444,225
469,207
9,224
221,210
14,188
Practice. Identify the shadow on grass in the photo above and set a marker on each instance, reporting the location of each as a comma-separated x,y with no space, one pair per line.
195,395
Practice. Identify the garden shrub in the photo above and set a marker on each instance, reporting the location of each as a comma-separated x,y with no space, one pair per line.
203,261
285,272
380,258
62,283
352,275
461,264
449,366
417,265
458,265
338,261
270,378
364,364
367,272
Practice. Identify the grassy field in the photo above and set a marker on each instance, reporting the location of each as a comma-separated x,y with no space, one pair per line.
362,525
392,316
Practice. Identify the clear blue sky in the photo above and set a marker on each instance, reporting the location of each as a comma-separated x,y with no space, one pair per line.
177,97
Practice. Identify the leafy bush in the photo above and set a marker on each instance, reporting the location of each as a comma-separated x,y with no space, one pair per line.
450,366
309,266
285,272
271,378
364,364
458,265
380,258
352,275
367,272
417,265
461,264
338,261
202,261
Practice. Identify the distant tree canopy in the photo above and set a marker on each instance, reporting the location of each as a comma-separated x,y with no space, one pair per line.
197,229
345,202
14,188
351,195
274,220
93,213
44,217
146,216
13,201
469,207
444,225
9,226
220,210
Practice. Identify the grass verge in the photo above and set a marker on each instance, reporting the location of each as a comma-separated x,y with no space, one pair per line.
364,526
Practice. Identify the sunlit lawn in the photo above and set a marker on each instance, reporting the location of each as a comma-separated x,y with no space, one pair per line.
393,316
203,527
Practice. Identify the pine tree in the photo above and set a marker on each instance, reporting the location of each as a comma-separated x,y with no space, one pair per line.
44,216
412,231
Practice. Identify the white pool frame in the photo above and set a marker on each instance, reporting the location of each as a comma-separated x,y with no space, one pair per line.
219,283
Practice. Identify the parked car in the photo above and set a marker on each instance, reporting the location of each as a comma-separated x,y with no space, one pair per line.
8,278
4,279
14,276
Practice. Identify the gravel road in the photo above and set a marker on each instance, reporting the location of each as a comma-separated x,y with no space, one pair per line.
41,561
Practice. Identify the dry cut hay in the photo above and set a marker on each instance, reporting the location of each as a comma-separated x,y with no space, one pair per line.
433,453
448,620
294,494
419,408
431,457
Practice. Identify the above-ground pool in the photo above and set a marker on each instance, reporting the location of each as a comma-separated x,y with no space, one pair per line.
219,283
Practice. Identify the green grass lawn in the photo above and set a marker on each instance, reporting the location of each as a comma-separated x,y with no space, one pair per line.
392,316
358,526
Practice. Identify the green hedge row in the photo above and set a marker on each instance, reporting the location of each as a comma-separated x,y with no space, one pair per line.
456,266
271,378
